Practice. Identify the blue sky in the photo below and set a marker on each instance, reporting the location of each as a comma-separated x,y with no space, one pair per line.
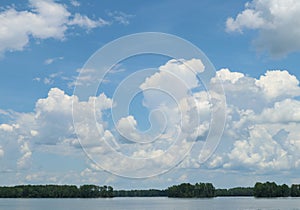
45,44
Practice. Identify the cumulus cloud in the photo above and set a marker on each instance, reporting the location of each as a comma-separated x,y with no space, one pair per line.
48,129
262,152
276,21
263,136
24,161
183,73
225,75
261,133
45,19
181,108
286,111
183,70
278,83
6,127
247,92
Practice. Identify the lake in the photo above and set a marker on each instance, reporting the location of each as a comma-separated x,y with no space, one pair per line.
220,203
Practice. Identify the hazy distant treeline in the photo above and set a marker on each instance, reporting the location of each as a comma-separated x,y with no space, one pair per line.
140,193
184,190
56,191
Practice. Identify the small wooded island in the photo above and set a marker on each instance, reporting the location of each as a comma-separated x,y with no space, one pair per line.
184,190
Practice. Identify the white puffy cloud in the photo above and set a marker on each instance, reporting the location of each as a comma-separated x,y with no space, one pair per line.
277,22
240,90
247,92
24,160
127,128
173,84
285,111
54,113
182,72
49,129
169,90
264,150
278,83
45,19
262,123
6,127
226,75
178,111
247,19
259,152
261,134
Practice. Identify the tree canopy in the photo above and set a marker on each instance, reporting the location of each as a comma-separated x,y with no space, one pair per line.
184,190
56,191
187,190
271,189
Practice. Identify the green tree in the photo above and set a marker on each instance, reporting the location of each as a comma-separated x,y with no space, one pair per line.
271,189
187,190
295,190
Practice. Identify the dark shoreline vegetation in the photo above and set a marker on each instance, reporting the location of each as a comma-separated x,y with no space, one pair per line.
184,190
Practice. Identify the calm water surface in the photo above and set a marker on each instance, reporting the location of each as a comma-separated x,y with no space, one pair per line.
230,203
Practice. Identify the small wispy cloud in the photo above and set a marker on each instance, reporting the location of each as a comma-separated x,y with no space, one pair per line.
37,79
85,22
118,68
75,3
50,79
86,77
120,17
52,60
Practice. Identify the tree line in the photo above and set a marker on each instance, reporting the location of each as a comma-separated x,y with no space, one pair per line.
237,191
187,190
56,191
184,190
271,189
140,193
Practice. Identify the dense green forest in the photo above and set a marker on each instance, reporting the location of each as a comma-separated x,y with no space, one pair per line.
271,189
140,193
56,191
187,190
184,190
237,191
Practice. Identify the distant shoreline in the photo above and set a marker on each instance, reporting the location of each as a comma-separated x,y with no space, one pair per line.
184,190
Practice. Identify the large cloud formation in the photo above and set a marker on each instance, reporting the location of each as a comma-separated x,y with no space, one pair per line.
277,22
263,123
261,135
